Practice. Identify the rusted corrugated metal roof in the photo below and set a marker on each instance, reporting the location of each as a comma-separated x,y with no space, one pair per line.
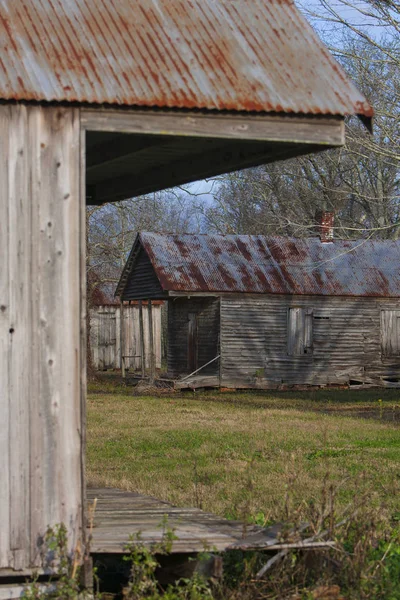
274,265
238,55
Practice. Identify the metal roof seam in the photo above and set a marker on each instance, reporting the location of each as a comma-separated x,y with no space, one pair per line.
201,54
260,264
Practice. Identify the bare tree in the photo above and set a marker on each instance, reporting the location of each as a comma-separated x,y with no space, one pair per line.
360,182
112,229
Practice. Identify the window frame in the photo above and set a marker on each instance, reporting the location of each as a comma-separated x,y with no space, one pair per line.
390,340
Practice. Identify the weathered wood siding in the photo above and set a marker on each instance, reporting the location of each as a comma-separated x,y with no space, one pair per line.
179,311
40,318
143,285
346,346
105,336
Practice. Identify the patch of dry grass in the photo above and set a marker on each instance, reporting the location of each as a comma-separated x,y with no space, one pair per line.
233,454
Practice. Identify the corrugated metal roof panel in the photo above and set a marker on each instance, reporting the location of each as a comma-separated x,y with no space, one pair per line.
237,55
274,265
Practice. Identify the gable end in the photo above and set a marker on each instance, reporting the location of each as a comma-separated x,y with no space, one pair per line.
142,282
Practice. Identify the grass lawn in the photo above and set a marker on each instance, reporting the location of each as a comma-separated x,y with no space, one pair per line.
241,454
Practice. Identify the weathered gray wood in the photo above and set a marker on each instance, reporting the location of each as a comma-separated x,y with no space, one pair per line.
295,335
40,353
192,342
105,336
278,128
142,342
55,416
346,341
83,342
5,122
151,343
122,328
390,331
120,514
19,349
207,311
197,382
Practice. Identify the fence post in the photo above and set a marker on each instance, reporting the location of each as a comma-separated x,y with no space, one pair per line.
142,348
151,342
122,341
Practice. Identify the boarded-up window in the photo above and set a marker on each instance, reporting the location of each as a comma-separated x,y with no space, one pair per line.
390,332
300,331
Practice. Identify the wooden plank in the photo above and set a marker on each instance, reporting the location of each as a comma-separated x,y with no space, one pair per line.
346,341
295,334
320,130
197,382
118,349
120,514
390,332
40,354
5,123
57,268
122,326
192,341
20,348
142,343
83,315
151,343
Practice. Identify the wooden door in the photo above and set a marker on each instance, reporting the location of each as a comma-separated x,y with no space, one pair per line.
192,342
107,340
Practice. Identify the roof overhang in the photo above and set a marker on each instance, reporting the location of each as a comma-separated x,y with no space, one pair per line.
135,152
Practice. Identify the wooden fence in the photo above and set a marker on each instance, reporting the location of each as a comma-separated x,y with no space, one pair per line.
105,336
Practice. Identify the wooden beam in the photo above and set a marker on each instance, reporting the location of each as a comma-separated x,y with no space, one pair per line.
142,347
41,340
84,330
122,343
315,129
151,342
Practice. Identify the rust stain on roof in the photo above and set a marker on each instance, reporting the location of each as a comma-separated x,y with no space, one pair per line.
271,265
236,55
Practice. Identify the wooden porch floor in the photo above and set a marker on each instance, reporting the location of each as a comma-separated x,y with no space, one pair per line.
120,514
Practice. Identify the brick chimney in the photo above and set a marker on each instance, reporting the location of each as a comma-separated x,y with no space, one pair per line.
325,221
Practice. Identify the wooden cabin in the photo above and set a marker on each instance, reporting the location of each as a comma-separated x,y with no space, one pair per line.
101,101
271,312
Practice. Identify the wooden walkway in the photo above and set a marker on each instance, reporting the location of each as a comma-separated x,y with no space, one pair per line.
121,514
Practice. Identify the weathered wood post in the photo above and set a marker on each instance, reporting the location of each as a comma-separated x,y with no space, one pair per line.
151,343
122,340
142,348
42,333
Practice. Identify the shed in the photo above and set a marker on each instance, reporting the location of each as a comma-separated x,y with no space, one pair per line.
265,312
103,100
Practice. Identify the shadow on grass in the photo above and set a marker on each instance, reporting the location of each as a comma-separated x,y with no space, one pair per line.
376,404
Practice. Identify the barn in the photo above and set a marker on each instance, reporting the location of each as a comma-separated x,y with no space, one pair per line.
103,100
271,312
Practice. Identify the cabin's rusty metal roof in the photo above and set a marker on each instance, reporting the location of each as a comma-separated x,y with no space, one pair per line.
270,265
236,55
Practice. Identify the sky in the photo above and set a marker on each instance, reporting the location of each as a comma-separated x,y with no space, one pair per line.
203,188
351,14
